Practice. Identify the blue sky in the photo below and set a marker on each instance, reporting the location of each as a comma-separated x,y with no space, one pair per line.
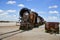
48,9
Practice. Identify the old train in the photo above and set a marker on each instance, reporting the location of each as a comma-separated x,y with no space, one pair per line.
29,19
52,27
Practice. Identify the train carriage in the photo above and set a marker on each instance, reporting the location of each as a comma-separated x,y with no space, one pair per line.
52,27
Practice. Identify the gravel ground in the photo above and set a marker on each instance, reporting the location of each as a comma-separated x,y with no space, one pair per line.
12,33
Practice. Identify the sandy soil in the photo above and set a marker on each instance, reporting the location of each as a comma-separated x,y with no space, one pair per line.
12,33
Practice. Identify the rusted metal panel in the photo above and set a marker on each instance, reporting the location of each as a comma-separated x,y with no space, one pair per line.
26,26
32,17
52,27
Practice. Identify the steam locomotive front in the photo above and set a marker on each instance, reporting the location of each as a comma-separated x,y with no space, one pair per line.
29,19
24,14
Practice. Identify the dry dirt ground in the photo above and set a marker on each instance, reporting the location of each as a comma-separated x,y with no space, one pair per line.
12,33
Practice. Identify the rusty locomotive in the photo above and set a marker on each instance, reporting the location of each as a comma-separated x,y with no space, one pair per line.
29,19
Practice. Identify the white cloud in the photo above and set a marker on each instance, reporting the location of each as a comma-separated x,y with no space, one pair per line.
54,12
6,12
14,16
9,18
11,2
32,10
11,10
21,5
54,6
1,11
3,14
51,19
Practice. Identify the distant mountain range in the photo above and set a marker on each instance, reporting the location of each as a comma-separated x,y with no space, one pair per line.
8,21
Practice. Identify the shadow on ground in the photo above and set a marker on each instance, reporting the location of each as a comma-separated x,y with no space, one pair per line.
10,33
